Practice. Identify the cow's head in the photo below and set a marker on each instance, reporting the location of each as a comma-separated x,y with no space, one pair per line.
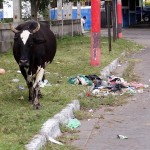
24,41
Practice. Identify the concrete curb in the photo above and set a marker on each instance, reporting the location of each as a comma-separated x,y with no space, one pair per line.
108,69
51,127
105,72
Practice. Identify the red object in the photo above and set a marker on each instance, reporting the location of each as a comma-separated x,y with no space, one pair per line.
88,94
119,18
95,32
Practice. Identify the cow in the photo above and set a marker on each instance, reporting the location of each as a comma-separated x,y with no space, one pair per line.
34,48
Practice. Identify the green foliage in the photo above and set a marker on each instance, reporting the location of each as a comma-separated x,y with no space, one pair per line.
41,4
7,20
147,3
129,74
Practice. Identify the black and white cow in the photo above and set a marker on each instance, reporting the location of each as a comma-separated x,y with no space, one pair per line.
34,48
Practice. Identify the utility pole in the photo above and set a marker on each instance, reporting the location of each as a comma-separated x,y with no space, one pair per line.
114,20
95,32
119,18
108,10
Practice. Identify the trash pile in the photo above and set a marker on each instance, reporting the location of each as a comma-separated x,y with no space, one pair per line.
112,85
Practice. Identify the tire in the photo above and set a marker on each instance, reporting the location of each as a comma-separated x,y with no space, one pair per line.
146,18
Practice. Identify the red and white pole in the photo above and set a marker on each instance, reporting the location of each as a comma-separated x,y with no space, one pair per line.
95,32
119,18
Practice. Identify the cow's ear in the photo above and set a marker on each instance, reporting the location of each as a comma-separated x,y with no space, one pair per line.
39,40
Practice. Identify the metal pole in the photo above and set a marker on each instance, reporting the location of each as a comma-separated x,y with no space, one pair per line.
109,25
108,13
62,27
114,20
72,27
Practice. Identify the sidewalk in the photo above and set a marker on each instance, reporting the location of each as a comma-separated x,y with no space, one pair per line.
131,119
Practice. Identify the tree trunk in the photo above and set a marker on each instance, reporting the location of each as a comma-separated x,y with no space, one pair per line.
34,10
1,5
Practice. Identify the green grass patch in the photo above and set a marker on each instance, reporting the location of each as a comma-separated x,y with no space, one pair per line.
18,121
50,146
129,74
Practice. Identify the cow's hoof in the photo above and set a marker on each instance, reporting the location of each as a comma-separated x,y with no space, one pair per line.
37,106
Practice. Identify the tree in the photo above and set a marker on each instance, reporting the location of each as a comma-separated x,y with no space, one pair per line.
37,6
41,6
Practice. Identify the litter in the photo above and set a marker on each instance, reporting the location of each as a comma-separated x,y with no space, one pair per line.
88,94
54,141
18,71
122,137
21,87
146,86
80,79
2,71
44,83
112,85
91,110
15,80
73,123
140,91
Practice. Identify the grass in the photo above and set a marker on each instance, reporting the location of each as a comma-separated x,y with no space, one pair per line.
128,73
18,121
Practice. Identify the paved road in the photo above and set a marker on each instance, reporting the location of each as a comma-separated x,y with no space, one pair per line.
131,119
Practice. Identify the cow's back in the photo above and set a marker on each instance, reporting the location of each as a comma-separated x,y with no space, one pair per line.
50,41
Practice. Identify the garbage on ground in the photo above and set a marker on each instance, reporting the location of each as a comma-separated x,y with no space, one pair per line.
18,71
122,137
2,71
44,83
73,123
21,87
54,141
112,85
91,110
15,80
80,79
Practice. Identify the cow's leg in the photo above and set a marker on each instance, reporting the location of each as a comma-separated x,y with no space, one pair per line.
29,81
36,88
30,87
36,104
24,73
40,94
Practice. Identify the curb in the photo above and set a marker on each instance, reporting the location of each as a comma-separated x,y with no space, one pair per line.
50,128
111,67
108,69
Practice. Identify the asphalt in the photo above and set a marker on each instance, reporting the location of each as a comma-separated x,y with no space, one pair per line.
131,119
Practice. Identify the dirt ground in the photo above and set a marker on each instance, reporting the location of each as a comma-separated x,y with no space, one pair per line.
131,119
